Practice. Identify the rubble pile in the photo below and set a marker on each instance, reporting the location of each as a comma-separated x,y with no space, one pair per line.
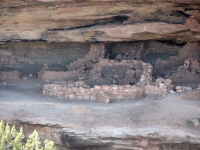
125,72
159,87
187,73
128,51
170,65
193,94
97,51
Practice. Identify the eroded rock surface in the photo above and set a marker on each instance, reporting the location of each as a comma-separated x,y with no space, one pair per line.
99,20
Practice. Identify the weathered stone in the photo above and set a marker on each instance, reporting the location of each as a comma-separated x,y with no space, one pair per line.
191,95
9,75
80,110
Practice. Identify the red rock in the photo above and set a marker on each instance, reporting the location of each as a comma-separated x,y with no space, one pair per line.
191,95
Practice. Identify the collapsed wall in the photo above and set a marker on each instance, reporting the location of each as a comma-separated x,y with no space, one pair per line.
97,85
194,94
187,74
118,64
170,65
136,32
105,80
97,52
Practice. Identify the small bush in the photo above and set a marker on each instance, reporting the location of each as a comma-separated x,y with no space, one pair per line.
10,139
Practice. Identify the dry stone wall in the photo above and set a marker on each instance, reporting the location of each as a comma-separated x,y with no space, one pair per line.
128,51
190,50
50,76
106,92
103,93
95,78
194,94
123,72
188,73
4,75
104,72
97,51
159,87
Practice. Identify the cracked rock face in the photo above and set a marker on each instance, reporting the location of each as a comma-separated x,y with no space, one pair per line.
115,138
99,20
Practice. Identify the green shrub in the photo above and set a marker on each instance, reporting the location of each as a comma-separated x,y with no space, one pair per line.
10,139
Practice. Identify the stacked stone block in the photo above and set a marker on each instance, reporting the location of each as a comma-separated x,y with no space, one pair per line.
97,51
4,75
147,73
159,87
192,94
103,93
139,70
50,76
189,72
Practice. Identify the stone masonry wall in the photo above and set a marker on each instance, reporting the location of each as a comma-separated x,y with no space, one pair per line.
187,74
190,50
104,72
106,79
128,51
96,52
194,94
123,72
103,93
50,76
9,75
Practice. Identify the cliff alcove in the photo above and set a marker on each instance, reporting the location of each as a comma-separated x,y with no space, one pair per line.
59,57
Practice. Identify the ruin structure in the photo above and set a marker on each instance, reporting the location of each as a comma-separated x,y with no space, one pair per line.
141,56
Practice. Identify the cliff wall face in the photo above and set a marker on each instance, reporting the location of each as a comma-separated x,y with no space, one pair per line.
99,20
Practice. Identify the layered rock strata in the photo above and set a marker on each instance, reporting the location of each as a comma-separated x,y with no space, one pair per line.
99,20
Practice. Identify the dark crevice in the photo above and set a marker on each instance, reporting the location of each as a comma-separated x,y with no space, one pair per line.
22,40
175,17
119,19
179,14
172,43
113,20
38,40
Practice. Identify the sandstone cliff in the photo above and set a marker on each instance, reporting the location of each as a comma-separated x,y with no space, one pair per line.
99,20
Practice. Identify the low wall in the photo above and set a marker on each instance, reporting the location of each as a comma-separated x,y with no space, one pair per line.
4,75
103,93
